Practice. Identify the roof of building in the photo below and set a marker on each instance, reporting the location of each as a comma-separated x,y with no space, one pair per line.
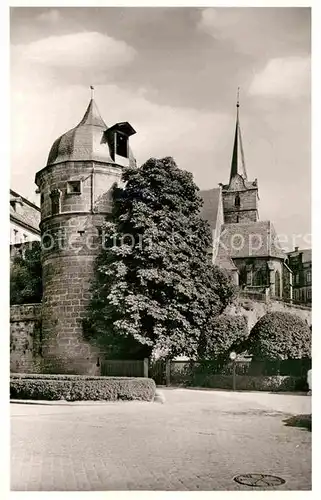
306,254
23,212
225,261
87,141
211,200
250,239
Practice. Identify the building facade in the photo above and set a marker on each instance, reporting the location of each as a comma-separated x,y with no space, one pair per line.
300,262
24,219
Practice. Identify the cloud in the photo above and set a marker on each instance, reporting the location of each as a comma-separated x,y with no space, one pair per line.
40,115
263,31
51,16
283,77
81,51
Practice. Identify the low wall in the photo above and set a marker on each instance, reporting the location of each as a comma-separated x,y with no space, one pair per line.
254,310
25,338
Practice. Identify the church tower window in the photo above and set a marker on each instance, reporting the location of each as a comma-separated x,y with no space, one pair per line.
237,201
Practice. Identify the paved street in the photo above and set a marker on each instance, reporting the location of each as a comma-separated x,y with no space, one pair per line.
197,440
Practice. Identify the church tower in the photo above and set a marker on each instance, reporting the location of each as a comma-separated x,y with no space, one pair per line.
240,196
75,186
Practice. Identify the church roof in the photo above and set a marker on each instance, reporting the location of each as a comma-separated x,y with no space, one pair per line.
211,200
87,141
250,239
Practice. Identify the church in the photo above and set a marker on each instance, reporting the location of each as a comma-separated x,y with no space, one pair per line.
245,246
75,188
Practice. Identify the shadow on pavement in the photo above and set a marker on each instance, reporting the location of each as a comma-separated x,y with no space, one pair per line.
304,421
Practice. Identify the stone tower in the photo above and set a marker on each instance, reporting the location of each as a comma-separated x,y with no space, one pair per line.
240,196
75,191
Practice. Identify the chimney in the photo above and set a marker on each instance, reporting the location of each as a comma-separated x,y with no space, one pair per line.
296,249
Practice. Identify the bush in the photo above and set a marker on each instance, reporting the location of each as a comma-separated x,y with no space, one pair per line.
274,383
26,275
221,335
81,388
280,335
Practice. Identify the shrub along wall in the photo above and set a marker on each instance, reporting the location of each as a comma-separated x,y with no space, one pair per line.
81,388
288,375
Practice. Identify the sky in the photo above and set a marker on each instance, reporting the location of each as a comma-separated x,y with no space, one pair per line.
173,73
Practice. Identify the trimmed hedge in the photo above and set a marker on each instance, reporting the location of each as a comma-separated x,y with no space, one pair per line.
81,388
279,335
221,334
274,383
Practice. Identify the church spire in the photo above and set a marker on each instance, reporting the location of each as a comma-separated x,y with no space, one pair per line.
238,145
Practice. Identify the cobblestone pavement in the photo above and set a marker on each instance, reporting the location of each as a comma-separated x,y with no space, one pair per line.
197,440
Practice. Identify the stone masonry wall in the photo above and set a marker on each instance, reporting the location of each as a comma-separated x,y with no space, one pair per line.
253,310
247,211
71,243
25,338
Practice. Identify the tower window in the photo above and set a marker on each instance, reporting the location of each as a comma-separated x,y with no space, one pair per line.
55,201
237,202
121,145
42,197
309,277
74,187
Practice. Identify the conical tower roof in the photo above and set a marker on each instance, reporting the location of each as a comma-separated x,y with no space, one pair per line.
238,161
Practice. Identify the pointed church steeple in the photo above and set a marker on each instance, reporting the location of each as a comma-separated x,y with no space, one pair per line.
238,153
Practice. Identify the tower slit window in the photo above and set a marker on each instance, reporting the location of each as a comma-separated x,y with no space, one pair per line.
237,201
55,201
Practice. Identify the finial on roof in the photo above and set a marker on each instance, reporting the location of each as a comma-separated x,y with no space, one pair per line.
238,97
92,91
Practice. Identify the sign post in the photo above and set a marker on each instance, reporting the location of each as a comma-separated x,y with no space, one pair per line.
233,356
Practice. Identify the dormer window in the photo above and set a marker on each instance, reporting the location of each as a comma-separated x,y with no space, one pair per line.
74,187
237,202
118,139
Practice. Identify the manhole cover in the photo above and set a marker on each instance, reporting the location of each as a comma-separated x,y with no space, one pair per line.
259,480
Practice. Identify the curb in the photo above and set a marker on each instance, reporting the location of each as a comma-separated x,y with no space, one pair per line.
59,402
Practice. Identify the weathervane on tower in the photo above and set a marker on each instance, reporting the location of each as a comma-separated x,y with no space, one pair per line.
92,91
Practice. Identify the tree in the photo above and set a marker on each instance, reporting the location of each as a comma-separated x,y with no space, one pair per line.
155,286
280,335
26,275
220,336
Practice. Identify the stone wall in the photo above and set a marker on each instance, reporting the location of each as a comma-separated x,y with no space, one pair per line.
254,310
25,338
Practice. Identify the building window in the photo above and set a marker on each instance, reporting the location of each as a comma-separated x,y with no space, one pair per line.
42,198
309,294
237,218
277,284
237,202
309,277
74,187
121,147
15,235
249,278
297,279
55,201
